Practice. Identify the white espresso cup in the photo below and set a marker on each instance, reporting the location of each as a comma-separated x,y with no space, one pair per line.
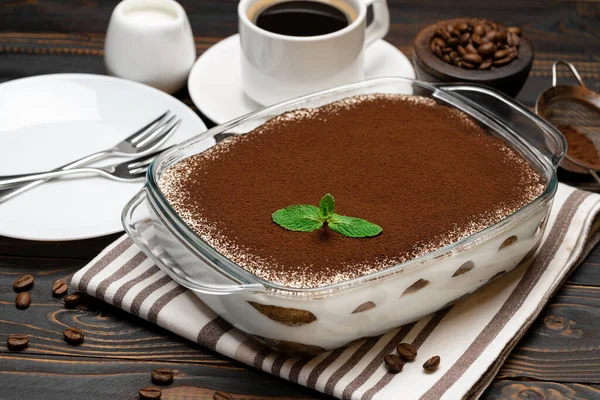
279,67
150,41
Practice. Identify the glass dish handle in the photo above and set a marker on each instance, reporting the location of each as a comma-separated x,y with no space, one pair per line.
508,112
138,224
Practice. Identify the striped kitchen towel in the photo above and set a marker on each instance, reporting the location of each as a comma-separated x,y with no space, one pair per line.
473,337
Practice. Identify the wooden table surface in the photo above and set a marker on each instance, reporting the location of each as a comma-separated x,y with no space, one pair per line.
559,357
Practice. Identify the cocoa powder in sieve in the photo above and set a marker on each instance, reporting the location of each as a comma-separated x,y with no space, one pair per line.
580,147
426,173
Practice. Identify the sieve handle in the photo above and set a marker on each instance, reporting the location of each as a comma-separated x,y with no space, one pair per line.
513,116
571,67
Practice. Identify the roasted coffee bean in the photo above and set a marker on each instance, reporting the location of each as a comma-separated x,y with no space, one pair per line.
442,33
221,396
432,364
447,50
162,376
394,363
473,58
23,282
479,30
470,49
501,37
454,57
438,52
73,300
464,38
73,335
447,58
150,393
491,35
406,351
23,300
461,26
17,342
476,39
514,29
487,28
438,42
453,42
486,49
467,65
59,288
500,54
502,61
486,64
512,39
461,50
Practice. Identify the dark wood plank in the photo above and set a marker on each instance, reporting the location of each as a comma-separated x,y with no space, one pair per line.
588,273
523,390
77,249
26,376
563,344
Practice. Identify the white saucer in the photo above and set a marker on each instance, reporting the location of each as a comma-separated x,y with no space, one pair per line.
49,120
215,84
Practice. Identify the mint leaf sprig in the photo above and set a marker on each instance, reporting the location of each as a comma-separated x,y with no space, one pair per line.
308,218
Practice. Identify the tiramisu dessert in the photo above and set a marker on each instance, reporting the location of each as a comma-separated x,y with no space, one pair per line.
427,174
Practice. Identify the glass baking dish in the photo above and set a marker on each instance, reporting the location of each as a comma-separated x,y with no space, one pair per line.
312,320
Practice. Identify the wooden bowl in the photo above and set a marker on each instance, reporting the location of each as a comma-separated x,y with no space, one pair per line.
509,78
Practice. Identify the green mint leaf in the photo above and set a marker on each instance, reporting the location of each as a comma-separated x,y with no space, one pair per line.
300,218
326,206
353,227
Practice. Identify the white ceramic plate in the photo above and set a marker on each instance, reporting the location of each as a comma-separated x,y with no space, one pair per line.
215,79
49,120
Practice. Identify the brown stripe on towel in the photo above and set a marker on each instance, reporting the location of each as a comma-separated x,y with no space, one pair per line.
515,300
147,291
120,273
123,290
297,368
210,334
316,372
376,362
278,364
417,342
163,301
103,262
259,358
349,364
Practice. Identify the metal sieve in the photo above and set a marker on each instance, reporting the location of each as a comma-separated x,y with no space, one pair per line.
575,107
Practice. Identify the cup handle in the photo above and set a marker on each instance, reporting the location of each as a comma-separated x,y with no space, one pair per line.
380,25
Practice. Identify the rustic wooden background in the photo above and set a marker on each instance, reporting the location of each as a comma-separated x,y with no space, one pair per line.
559,358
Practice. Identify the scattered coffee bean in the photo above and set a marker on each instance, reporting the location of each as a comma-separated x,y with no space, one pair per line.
73,300
23,300
394,363
162,376
221,396
432,364
59,288
17,342
484,40
23,282
407,351
150,393
73,335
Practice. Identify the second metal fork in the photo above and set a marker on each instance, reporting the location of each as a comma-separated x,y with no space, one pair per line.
141,142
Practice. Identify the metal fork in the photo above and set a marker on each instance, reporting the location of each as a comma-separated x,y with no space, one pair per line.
141,142
129,170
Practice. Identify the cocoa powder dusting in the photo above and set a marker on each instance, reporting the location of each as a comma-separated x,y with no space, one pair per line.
426,173
580,147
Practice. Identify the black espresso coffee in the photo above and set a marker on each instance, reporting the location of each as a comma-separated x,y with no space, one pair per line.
302,18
